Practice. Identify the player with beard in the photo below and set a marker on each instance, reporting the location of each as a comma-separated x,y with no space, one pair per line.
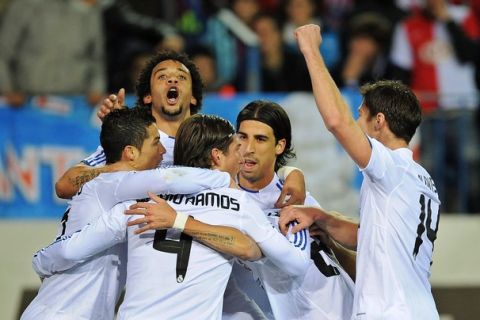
171,86
168,273
90,290
325,291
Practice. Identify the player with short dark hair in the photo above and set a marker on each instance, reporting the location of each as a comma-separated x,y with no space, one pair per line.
165,268
171,87
399,204
92,286
326,290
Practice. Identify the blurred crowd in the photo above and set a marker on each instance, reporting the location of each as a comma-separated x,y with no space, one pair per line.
92,47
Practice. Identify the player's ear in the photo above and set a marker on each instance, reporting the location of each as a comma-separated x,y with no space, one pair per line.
193,101
379,121
215,155
280,147
130,153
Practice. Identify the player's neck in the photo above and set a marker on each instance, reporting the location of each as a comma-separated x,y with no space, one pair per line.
395,143
169,125
255,183
122,165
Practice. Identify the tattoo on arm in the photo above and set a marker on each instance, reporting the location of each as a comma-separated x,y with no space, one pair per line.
84,177
213,239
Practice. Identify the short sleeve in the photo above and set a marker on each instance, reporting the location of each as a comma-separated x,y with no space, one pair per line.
379,161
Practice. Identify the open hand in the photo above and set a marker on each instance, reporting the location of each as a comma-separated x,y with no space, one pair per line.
157,215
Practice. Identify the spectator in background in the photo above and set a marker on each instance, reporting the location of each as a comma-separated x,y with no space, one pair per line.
302,12
277,63
136,26
335,12
387,10
3,6
366,56
52,47
298,13
134,64
205,61
224,32
434,51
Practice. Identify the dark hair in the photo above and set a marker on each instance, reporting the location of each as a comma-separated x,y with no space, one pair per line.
397,102
123,127
273,115
372,25
197,136
143,83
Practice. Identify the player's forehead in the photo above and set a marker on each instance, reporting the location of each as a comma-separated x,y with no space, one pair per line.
170,65
254,127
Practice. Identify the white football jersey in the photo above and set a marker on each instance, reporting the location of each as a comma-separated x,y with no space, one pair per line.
98,158
90,289
168,273
398,225
326,291
234,297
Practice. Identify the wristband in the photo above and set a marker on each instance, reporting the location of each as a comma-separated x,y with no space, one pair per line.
180,221
284,171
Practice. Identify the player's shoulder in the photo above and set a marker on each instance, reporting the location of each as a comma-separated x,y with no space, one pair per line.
107,178
240,195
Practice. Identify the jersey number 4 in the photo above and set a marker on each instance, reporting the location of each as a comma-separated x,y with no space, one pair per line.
181,248
425,210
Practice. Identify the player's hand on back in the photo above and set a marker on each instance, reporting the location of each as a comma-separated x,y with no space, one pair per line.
320,234
112,102
294,213
156,216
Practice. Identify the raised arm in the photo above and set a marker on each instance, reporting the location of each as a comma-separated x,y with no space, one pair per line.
68,251
160,215
335,112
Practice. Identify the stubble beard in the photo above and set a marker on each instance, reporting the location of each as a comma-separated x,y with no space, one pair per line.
172,113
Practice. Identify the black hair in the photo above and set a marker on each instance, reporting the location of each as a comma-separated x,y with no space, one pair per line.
123,127
143,83
397,102
273,115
